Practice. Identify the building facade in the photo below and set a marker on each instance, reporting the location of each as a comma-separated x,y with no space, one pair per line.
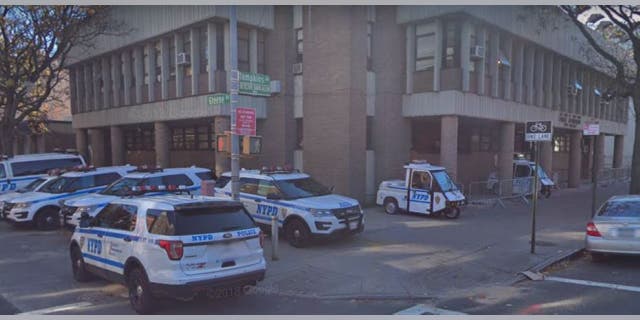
356,91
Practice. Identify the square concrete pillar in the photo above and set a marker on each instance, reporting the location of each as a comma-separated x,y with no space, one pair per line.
465,48
116,72
162,139
437,64
618,151
106,84
494,50
138,67
117,146
518,64
220,125
505,157
411,57
82,143
575,159
449,144
127,76
194,33
151,70
481,36
97,147
546,156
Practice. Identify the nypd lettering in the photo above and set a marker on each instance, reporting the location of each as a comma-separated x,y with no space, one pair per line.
267,210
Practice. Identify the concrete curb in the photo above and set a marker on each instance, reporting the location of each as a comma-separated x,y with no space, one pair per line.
546,264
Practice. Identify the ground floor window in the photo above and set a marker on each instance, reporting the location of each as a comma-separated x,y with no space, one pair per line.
561,143
195,137
139,139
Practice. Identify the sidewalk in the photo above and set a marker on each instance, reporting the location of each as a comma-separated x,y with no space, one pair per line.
421,258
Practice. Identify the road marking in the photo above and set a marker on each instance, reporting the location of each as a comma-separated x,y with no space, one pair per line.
594,284
419,309
65,307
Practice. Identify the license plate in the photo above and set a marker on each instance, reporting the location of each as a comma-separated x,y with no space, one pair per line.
626,232
353,225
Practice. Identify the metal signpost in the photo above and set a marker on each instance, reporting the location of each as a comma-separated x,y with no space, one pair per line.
593,129
233,94
535,132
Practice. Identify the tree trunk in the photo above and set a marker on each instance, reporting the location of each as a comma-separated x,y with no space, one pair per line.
635,162
6,140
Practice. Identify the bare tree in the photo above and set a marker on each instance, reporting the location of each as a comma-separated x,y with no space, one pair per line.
35,42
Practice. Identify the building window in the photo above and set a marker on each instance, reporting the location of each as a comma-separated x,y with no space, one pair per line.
561,143
220,47
186,48
132,67
369,45
451,44
172,59
204,49
200,137
243,49
425,46
145,66
261,56
158,63
139,139
472,43
299,44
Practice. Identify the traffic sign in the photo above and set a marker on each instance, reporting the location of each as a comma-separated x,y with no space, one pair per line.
591,129
538,131
255,84
245,121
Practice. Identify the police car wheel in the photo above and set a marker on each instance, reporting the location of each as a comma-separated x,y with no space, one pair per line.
80,272
47,219
297,233
140,297
390,206
452,213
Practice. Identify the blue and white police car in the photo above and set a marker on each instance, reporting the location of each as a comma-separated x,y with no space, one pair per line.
305,209
190,177
35,185
169,246
42,207
18,171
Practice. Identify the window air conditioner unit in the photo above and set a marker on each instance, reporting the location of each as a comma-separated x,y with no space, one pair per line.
297,68
477,52
183,58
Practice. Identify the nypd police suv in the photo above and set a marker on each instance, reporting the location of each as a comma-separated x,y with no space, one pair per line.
42,207
169,246
18,171
35,185
190,177
304,208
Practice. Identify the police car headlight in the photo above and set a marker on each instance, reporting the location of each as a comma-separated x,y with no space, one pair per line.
22,205
87,209
321,212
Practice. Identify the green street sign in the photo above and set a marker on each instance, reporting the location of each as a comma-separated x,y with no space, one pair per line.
255,84
218,99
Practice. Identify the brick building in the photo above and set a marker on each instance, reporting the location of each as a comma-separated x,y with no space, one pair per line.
362,89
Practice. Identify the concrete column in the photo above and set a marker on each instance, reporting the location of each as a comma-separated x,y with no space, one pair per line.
411,57
557,87
127,75
575,159
88,80
571,99
465,47
195,59
179,44
529,74
618,151
106,83
79,89
493,64
505,157
539,71
220,125
508,90
82,143
564,82
96,84
139,72
596,99
546,156
116,73
449,144
164,81
548,82
162,139
437,63
212,55
96,138
151,70
519,65
117,146
481,36
580,106
253,50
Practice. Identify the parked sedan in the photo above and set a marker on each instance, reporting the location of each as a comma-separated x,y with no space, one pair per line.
615,228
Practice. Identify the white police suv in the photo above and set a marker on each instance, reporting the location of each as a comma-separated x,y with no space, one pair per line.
190,177
169,246
18,171
35,185
42,207
305,209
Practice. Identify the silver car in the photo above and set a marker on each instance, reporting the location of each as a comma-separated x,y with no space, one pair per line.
615,228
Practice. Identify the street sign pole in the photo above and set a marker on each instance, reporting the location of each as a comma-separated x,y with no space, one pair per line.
534,196
233,93
594,176
536,131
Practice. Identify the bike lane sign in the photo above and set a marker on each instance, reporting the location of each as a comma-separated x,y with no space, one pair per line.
538,131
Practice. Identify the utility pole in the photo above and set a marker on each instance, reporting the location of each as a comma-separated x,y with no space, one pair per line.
233,94
534,195
594,176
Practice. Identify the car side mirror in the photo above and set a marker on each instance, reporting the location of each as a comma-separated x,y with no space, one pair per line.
86,220
274,196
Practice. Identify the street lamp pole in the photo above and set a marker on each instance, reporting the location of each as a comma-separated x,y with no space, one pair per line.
233,94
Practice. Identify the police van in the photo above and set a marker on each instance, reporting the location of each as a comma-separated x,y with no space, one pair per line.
42,207
169,246
190,177
304,208
35,185
18,171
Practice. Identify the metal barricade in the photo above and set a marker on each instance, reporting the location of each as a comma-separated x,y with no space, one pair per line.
493,191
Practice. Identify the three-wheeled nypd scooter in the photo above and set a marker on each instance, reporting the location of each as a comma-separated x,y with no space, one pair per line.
426,189
523,171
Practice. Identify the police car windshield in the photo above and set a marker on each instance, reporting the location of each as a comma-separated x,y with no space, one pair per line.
31,186
445,182
198,220
122,186
301,188
57,185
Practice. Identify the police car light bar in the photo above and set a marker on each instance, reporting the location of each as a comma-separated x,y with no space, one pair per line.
146,168
159,188
278,169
